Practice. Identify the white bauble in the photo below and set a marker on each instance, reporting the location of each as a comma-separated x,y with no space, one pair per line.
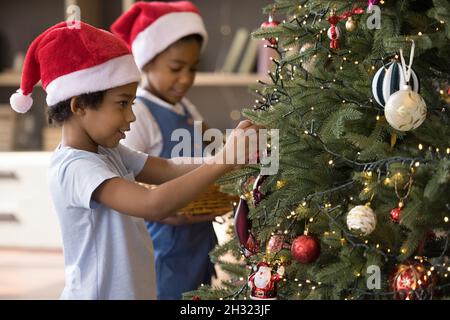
362,219
405,110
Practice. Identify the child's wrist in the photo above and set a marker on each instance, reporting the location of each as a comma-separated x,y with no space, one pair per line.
221,159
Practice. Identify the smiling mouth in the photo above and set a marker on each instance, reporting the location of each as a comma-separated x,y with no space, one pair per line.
122,132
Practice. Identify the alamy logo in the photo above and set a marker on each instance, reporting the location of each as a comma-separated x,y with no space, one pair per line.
73,17
374,21
374,277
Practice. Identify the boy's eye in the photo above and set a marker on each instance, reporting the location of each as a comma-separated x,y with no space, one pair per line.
123,103
175,69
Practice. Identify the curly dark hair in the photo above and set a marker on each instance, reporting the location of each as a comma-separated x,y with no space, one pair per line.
61,112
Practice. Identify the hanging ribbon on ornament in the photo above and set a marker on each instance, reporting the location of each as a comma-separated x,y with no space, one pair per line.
407,72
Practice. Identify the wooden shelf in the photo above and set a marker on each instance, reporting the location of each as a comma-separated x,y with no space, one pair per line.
226,79
10,79
203,79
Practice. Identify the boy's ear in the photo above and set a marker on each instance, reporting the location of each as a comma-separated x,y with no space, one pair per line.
75,107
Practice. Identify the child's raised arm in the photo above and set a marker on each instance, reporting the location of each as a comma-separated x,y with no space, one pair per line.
166,199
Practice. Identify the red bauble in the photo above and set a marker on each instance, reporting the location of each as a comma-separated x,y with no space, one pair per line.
305,249
196,298
395,214
410,281
270,24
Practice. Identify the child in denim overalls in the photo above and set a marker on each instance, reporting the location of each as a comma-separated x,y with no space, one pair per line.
166,40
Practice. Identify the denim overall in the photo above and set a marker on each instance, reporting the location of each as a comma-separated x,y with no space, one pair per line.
181,252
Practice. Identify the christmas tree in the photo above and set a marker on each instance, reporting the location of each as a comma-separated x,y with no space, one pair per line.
360,206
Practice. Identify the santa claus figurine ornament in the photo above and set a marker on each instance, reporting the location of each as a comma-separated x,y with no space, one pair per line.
263,282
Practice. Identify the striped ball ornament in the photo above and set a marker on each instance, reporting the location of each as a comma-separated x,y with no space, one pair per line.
362,219
388,80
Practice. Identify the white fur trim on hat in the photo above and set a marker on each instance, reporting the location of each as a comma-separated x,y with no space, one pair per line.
165,31
110,74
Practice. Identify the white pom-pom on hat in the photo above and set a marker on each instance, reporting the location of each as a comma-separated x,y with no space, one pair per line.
21,103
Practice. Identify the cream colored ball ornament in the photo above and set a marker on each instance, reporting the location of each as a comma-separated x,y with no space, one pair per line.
405,110
362,219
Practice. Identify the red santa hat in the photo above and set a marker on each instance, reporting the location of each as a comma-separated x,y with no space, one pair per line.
74,59
151,27
261,264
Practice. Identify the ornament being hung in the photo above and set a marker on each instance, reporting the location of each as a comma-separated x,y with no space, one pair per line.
242,226
388,79
405,110
270,24
257,193
362,219
305,248
263,282
410,281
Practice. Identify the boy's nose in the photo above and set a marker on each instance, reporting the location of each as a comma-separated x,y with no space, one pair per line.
131,117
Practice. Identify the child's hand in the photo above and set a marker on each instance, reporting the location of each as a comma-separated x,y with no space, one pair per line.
241,146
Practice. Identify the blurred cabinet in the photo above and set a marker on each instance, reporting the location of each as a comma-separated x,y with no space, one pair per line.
27,217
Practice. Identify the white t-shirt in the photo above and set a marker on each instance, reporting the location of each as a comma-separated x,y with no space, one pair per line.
107,254
145,134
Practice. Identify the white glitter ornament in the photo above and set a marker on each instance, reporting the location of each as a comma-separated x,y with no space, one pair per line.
362,219
405,110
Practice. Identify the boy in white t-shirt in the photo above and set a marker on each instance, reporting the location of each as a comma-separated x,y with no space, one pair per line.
91,79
